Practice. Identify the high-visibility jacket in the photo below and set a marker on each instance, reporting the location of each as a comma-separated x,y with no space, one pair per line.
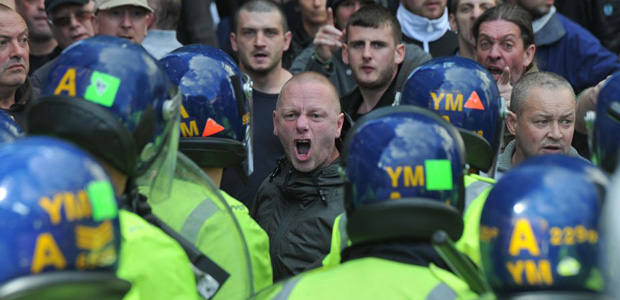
372,278
220,228
153,262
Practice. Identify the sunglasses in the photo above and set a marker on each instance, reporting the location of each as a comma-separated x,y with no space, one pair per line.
62,21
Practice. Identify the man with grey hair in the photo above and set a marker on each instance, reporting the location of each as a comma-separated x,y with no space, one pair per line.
542,118
161,37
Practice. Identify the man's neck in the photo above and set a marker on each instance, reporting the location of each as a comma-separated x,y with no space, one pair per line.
311,29
466,49
370,97
7,97
215,174
40,47
517,157
270,83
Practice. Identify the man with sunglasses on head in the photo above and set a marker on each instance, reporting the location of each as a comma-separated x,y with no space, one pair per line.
71,21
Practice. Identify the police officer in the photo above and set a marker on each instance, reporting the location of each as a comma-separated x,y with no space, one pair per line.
604,124
463,93
60,234
539,230
404,181
110,97
216,134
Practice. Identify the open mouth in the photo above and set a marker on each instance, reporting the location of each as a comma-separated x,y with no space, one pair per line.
552,148
495,71
303,148
260,55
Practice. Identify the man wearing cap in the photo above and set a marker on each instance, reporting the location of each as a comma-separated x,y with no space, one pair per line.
71,21
123,18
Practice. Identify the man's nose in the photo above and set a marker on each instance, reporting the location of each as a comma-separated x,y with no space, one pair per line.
554,132
495,52
302,123
259,41
126,20
18,50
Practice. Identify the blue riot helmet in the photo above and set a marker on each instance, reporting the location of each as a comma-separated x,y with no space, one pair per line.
610,243
404,176
59,228
215,112
539,229
604,143
109,96
464,93
9,130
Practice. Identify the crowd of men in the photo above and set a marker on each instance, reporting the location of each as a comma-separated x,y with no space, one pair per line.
412,149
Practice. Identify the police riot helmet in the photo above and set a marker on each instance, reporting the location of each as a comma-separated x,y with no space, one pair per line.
404,176
539,229
109,96
464,93
59,228
604,144
215,112
9,130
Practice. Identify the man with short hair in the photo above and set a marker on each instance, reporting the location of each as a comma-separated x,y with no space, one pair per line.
259,36
71,21
161,37
299,201
542,118
123,18
425,23
566,48
463,14
325,54
43,46
313,17
16,91
374,51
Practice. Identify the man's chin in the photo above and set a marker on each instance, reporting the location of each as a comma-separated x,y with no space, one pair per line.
304,167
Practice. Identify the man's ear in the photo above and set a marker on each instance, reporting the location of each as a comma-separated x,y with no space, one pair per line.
452,19
528,55
95,23
345,53
233,42
400,53
340,122
275,127
150,20
512,122
288,36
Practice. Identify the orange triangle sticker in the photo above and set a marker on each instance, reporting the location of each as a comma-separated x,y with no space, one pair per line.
211,128
474,102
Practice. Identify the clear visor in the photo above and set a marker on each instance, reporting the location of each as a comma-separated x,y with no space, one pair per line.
248,163
156,182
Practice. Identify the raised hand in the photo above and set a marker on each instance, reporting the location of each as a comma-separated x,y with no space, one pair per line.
328,39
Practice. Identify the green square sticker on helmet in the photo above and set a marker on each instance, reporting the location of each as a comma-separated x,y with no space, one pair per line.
102,200
438,174
102,89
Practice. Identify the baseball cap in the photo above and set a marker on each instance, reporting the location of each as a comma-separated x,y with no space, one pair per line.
51,4
107,4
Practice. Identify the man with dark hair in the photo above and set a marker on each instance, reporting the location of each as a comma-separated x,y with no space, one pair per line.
71,21
425,23
161,36
297,204
542,118
313,17
16,91
463,14
566,48
376,55
259,37
43,47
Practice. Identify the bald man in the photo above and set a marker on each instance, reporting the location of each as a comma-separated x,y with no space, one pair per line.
16,91
297,204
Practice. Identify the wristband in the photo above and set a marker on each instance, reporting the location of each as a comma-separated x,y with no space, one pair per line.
324,64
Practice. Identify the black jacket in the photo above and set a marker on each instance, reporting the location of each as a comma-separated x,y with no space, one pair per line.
297,210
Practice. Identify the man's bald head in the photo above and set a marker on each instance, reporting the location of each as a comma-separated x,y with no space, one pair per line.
308,121
316,78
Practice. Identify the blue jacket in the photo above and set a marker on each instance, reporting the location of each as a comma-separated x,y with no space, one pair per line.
565,48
